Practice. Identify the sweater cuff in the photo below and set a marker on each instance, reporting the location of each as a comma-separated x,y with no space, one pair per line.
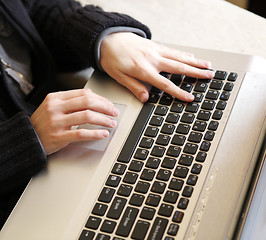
108,31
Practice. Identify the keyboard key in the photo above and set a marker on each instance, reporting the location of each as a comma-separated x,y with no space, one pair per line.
158,187
178,140
221,105
142,187
130,177
196,168
225,96
195,137
201,87
158,228
168,128
99,209
136,199
119,168
151,131
153,163
147,174
177,107
201,156
205,146
190,79
228,86
187,192
106,195
183,203
221,75
190,148
187,118
199,126
93,222
192,107
127,221
147,213
156,121
217,115
158,151
166,210
212,94
176,184
181,172
169,162
173,151
178,217
208,105
217,85
141,154
187,86
86,235
101,236
116,208
204,115
153,200
232,77
192,180
209,135
173,229
108,226
171,197
163,140
146,142
161,110
124,190
166,100
197,97
213,125
186,160
163,175
140,230
183,128
113,181
135,166
153,97
176,79
172,118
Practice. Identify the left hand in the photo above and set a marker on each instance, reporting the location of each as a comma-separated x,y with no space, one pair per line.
127,57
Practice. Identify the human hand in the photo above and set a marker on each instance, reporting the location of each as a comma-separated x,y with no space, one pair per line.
60,111
127,57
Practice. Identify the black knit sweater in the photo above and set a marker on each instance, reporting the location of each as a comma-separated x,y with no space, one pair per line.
61,35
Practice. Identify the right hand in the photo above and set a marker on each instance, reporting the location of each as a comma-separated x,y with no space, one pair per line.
60,111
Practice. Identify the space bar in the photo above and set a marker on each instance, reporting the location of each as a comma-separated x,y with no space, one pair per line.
135,133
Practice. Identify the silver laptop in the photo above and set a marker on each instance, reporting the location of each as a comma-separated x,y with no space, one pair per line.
170,170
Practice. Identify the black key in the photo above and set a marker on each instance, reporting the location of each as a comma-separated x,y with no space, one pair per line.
181,172
165,74
192,180
106,195
168,128
127,221
201,87
177,107
168,162
141,154
217,85
204,115
182,128
213,125
178,140
158,187
187,192
147,213
124,190
190,148
93,222
187,118
130,177
116,208
135,166
208,105
192,107
183,203
201,156
232,77
153,200
209,135
101,236
146,142
153,162
195,137
135,133
171,197
166,100
221,75
136,199
119,168
142,187
176,184
197,97
173,229
140,230
187,87
155,90
153,97
205,146
158,229
163,175
99,209
176,79
196,168
173,151
212,94
161,110
108,226
113,181
163,140
228,86
221,105
199,126
147,174
151,131
178,217
190,79
166,210
186,160
225,96
172,118
156,121
86,235
158,151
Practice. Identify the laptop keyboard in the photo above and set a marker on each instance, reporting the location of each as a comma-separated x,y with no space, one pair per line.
153,179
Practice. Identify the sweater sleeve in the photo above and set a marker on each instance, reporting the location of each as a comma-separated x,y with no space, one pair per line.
71,30
21,153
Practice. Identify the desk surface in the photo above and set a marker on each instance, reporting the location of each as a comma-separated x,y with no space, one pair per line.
213,24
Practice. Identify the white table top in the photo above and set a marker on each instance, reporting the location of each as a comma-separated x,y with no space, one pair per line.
212,24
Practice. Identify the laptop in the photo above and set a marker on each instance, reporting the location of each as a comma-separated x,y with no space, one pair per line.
170,170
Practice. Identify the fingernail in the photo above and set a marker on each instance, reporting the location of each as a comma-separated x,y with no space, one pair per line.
116,112
105,134
143,97
210,74
189,97
113,123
